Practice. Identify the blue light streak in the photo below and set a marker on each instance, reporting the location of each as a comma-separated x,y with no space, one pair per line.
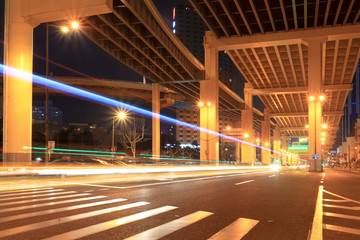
74,91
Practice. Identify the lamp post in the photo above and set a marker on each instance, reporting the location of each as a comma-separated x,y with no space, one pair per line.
120,116
64,29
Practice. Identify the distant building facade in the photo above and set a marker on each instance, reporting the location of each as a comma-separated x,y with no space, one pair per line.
186,135
39,113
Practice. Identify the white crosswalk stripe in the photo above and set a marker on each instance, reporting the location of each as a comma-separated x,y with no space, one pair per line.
236,230
24,191
110,224
170,227
29,193
341,203
52,222
38,198
51,203
39,213
24,222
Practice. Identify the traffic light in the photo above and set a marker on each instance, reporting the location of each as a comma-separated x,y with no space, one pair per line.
277,160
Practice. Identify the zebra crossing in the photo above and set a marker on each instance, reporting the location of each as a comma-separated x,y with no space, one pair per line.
341,215
34,211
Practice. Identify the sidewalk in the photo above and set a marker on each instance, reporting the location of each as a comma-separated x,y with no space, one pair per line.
355,170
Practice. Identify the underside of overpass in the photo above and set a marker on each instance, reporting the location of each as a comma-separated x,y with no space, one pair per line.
286,51
270,42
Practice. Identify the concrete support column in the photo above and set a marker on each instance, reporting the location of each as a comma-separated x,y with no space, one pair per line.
155,121
247,151
315,104
265,138
284,146
17,92
238,144
277,144
209,112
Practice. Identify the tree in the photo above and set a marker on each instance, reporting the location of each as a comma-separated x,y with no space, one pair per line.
133,132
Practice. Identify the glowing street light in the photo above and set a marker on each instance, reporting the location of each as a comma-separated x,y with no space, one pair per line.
323,134
121,115
323,139
311,98
65,29
74,24
200,104
209,104
322,98
228,128
323,125
266,143
246,135
307,126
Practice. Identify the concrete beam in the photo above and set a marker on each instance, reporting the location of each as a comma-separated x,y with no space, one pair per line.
296,90
303,128
282,38
39,11
305,114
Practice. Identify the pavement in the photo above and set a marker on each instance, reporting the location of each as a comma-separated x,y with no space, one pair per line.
249,205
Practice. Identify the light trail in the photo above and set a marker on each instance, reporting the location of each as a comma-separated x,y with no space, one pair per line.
74,150
91,96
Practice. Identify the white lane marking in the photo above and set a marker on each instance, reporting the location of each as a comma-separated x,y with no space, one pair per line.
35,196
335,200
341,229
51,203
317,230
88,191
272,176
63,209
342,197
86,184
29,193
329,214
342,207
170,227
161,183
244,182
52,222
38,200
82,232
235,230
23,191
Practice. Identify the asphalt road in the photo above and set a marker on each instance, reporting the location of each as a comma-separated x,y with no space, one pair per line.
264,205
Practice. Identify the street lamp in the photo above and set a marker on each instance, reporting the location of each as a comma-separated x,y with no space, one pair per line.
120,115
64,29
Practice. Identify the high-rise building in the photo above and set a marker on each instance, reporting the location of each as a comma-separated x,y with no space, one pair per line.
351,111
190,29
